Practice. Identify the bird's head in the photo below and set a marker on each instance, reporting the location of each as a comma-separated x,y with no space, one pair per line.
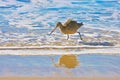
80,24
59,24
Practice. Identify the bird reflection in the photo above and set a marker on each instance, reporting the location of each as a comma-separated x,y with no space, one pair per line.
67,61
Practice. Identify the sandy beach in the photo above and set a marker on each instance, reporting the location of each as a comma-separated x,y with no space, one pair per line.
57,78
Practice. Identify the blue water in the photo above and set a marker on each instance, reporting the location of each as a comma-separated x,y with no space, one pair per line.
98,65
36,14
28,22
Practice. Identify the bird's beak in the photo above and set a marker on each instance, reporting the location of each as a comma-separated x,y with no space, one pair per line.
53,30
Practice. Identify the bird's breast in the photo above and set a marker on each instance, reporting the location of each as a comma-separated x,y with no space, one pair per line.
67,31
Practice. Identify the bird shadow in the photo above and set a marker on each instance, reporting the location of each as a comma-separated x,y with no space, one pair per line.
97,43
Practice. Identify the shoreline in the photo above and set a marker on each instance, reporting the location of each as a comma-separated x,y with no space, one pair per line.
59,50
55,47
59,78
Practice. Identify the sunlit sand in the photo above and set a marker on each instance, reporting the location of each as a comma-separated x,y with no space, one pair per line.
56,78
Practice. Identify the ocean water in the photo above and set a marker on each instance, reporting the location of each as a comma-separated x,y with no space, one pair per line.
28,22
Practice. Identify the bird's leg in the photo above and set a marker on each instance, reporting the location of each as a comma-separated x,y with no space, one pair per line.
79,35
67,36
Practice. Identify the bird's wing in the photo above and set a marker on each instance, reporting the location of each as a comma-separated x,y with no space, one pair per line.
69,21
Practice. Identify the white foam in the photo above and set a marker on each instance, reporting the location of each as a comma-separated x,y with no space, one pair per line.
35,7
58,50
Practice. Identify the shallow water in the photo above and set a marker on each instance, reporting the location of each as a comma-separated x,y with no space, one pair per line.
28,22
61,66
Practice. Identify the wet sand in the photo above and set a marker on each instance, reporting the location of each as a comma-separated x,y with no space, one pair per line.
60,67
